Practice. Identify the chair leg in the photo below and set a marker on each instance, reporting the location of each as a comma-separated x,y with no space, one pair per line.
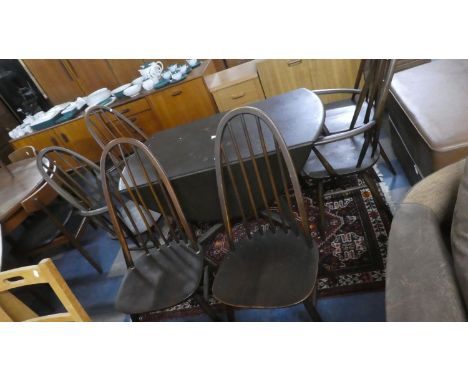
321,204
73,241
230,314
374,190
206,307
387,161
312,310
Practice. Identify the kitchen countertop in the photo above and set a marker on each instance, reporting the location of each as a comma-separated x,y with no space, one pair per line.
194,74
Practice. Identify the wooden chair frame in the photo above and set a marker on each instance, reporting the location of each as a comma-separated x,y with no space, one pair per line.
13,309
284,159
374,92
161,191
22,153
105,124
39,201
224,163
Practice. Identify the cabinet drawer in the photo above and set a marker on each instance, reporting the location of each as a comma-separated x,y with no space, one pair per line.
238,95
134,107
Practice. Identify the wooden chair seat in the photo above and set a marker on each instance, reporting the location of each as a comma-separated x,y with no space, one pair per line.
342,155
160,279
270,270
339,115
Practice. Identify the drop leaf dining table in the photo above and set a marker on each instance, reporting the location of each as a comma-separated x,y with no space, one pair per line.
187,152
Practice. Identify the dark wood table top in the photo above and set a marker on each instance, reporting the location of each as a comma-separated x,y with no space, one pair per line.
189,149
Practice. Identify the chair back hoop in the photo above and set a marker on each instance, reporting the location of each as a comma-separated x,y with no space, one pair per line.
74,177
257,188
43,196
105,124
136,188
25,152
43,273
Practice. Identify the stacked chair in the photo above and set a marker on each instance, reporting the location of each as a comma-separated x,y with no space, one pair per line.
350,143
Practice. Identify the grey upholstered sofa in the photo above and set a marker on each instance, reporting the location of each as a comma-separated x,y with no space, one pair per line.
422,284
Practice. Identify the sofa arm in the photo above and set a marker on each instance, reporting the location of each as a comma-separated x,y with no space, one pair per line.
421,284
438,191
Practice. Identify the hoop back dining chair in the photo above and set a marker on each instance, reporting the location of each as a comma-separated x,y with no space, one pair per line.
171,267
13,309
57,226
106,124
25,152
256,179
356,148
77,180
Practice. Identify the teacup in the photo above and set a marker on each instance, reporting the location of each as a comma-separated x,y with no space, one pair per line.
183,68
172,68
192,62
176,76
149,84
166,75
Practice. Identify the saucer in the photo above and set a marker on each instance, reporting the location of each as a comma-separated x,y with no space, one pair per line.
162,82
172,81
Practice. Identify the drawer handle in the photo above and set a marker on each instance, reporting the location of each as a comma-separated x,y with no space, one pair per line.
178,92
238,96
124,111
54,141
294,62
64,137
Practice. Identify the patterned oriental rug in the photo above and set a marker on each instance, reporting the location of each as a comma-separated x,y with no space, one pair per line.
352,250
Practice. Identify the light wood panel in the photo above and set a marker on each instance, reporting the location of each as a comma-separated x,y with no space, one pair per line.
147,122
125,70
76,137
56,79
280,76
332,74
183,103
240,94
12,309
93,74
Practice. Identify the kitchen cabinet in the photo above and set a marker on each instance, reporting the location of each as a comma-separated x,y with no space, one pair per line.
151,111
182,103
280,76
55,79
140,113
125,71
93,74
75,136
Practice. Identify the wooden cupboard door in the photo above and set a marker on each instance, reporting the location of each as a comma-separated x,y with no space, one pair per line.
182,103
93,74
41,139
281,76
333,74
56,79
125,71
147,122
75,136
